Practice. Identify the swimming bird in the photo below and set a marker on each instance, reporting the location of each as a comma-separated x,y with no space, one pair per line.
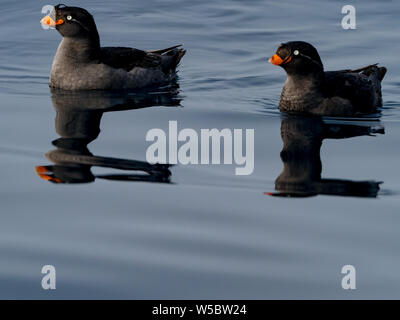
82,64
309,89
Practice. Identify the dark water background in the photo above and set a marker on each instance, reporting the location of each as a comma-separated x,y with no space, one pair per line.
209,233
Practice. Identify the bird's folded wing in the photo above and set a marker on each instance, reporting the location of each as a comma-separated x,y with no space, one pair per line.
128,58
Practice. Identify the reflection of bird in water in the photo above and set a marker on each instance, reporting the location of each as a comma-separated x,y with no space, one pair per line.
302,140
78,117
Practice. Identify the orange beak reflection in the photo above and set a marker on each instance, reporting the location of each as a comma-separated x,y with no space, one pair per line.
41,169
48,21
42,172
277,60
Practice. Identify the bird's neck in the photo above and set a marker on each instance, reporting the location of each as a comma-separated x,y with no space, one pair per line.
308,73
79,50
305,82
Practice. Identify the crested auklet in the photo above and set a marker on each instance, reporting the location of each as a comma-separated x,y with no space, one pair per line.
308,89
81,64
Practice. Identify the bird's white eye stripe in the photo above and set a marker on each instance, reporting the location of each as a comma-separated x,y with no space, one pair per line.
69,18
296,52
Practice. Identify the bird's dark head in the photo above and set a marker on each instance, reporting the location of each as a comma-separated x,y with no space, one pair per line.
297,57
71,22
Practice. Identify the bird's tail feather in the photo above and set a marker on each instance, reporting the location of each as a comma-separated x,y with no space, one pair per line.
172,59
162,51
371,69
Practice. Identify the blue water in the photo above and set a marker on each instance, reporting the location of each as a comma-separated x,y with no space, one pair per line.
197,231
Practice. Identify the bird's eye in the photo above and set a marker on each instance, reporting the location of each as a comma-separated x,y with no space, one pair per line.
296,52
69,18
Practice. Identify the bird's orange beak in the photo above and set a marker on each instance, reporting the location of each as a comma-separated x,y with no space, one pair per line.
48,21
277,60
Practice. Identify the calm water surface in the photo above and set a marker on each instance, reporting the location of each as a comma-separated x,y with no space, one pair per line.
132,230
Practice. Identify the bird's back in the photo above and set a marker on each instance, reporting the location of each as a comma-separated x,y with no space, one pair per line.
130,58
361,87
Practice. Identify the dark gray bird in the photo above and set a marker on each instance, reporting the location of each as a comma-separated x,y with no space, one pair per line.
308,89
82,64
